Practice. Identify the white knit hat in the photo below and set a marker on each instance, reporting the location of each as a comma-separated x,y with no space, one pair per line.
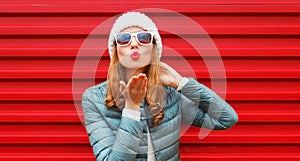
130,19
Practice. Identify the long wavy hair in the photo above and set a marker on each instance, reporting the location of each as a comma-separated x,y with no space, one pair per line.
154,95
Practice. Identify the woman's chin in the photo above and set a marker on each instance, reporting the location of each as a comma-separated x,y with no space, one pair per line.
133,65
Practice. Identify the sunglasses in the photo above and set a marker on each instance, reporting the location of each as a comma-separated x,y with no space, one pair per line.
124,38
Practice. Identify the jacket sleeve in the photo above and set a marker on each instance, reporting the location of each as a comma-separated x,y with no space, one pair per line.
202,107
106,144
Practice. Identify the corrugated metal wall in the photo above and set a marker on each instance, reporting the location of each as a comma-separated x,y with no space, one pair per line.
258,40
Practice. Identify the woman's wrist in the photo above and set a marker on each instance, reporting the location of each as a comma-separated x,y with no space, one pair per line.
132,106
182,83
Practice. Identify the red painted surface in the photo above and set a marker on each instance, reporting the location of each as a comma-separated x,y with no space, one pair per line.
259,42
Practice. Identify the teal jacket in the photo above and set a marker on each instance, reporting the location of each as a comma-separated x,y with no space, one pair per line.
116,138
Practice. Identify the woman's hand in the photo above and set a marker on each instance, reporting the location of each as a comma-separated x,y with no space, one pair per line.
135,91
169,76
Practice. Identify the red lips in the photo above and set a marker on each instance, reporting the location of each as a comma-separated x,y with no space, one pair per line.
135,55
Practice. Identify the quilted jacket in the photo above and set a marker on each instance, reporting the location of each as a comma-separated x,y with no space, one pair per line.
116,138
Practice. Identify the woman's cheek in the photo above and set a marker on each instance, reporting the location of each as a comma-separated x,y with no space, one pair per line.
121,51
147,50
149,55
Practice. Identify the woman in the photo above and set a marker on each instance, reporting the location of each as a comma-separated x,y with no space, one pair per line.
136,114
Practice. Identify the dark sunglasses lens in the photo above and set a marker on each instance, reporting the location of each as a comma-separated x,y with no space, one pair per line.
144,37
123,38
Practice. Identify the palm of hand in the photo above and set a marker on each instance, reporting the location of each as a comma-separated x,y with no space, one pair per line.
135,91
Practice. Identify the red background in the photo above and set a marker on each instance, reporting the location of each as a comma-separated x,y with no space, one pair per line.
258,40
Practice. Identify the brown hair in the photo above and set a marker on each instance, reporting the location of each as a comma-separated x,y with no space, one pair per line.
155,93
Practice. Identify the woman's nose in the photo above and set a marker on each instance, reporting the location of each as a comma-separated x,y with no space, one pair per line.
134,41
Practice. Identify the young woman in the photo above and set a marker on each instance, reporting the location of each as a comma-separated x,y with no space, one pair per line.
136,114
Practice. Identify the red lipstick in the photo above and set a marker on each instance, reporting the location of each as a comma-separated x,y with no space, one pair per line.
135,55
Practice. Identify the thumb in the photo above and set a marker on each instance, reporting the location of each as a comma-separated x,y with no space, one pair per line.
122,86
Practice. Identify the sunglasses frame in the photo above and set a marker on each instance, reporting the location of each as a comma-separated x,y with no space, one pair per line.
134,35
